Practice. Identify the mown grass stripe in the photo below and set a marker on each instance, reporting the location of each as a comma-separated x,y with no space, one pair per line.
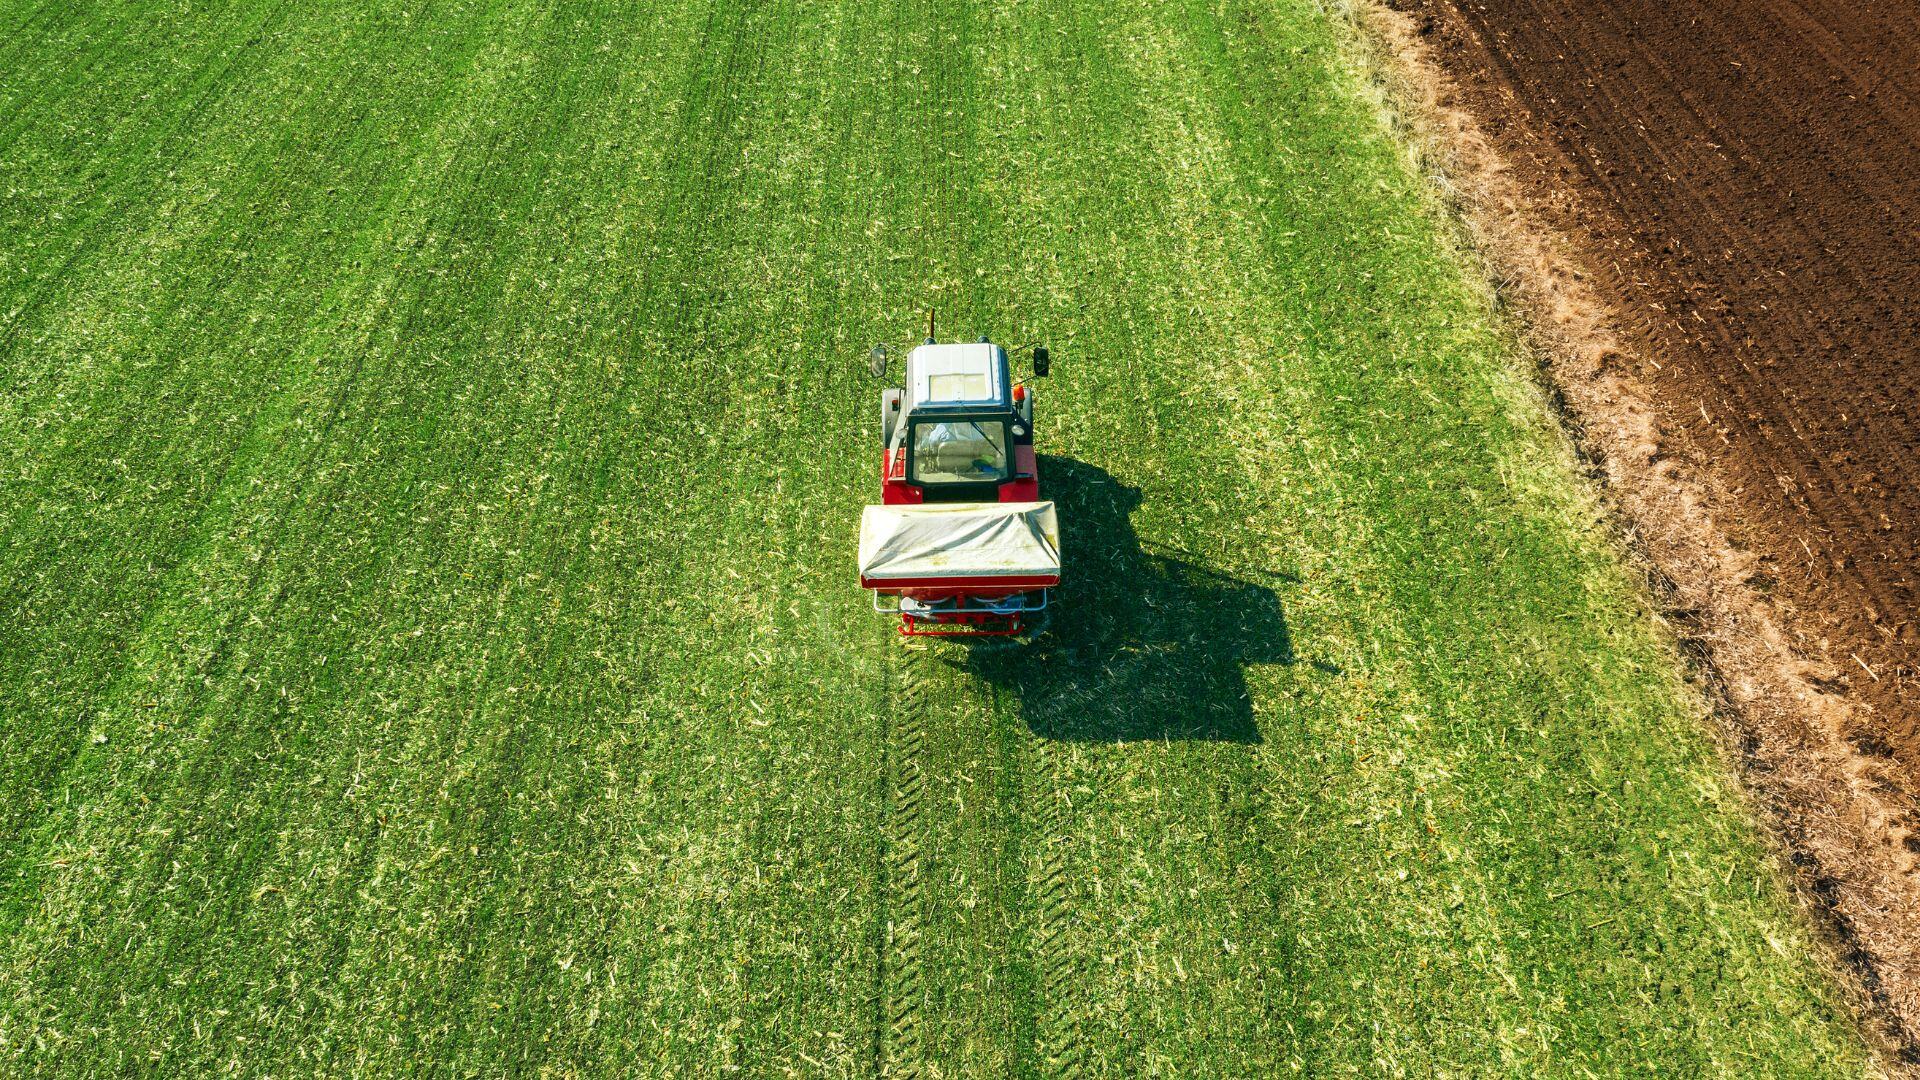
78,697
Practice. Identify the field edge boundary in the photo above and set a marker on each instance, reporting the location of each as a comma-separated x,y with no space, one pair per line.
1843,848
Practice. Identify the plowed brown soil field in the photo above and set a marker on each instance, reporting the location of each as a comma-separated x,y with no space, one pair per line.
1742,178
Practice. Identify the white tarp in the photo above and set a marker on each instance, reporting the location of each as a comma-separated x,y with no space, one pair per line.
950,540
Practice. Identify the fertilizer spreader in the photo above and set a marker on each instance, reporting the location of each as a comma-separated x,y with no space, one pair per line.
961,544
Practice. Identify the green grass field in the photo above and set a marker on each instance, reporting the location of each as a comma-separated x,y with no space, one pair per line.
431,450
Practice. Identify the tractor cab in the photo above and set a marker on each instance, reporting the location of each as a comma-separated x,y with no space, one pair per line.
960,430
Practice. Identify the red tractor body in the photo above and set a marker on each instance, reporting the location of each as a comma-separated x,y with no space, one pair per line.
961,543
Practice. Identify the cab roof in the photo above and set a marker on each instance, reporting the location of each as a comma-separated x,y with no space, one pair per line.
974,376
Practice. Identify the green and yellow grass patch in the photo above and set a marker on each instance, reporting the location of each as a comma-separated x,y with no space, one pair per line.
431,450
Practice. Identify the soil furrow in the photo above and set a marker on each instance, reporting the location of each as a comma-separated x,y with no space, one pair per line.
1731,166
1814,487
1729,183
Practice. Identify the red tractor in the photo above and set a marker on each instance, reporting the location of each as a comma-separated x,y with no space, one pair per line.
961,544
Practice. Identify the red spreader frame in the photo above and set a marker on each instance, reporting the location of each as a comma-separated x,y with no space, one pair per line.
962,606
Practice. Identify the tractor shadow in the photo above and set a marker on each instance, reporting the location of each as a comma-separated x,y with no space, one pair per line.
1140,645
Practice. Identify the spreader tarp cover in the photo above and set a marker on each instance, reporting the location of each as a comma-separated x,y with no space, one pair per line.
943,541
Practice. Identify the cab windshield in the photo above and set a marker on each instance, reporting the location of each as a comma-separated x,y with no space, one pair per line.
960,452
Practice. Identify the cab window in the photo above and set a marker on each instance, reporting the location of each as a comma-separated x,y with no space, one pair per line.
960,452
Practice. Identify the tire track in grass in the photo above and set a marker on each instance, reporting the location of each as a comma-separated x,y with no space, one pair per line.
97,414
330,402
1060,1036
900,978
275,425
1036,57
471,221
948,244
1018,972
250,586
1016,55
925,238
1176,946
265,427
508,756
696,236
98,192
701,217
872,110
1076,1018
31,13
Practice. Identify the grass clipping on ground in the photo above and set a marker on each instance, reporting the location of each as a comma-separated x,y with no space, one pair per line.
432,454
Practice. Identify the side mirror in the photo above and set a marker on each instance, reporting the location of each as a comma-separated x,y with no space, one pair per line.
1042,362
877,361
